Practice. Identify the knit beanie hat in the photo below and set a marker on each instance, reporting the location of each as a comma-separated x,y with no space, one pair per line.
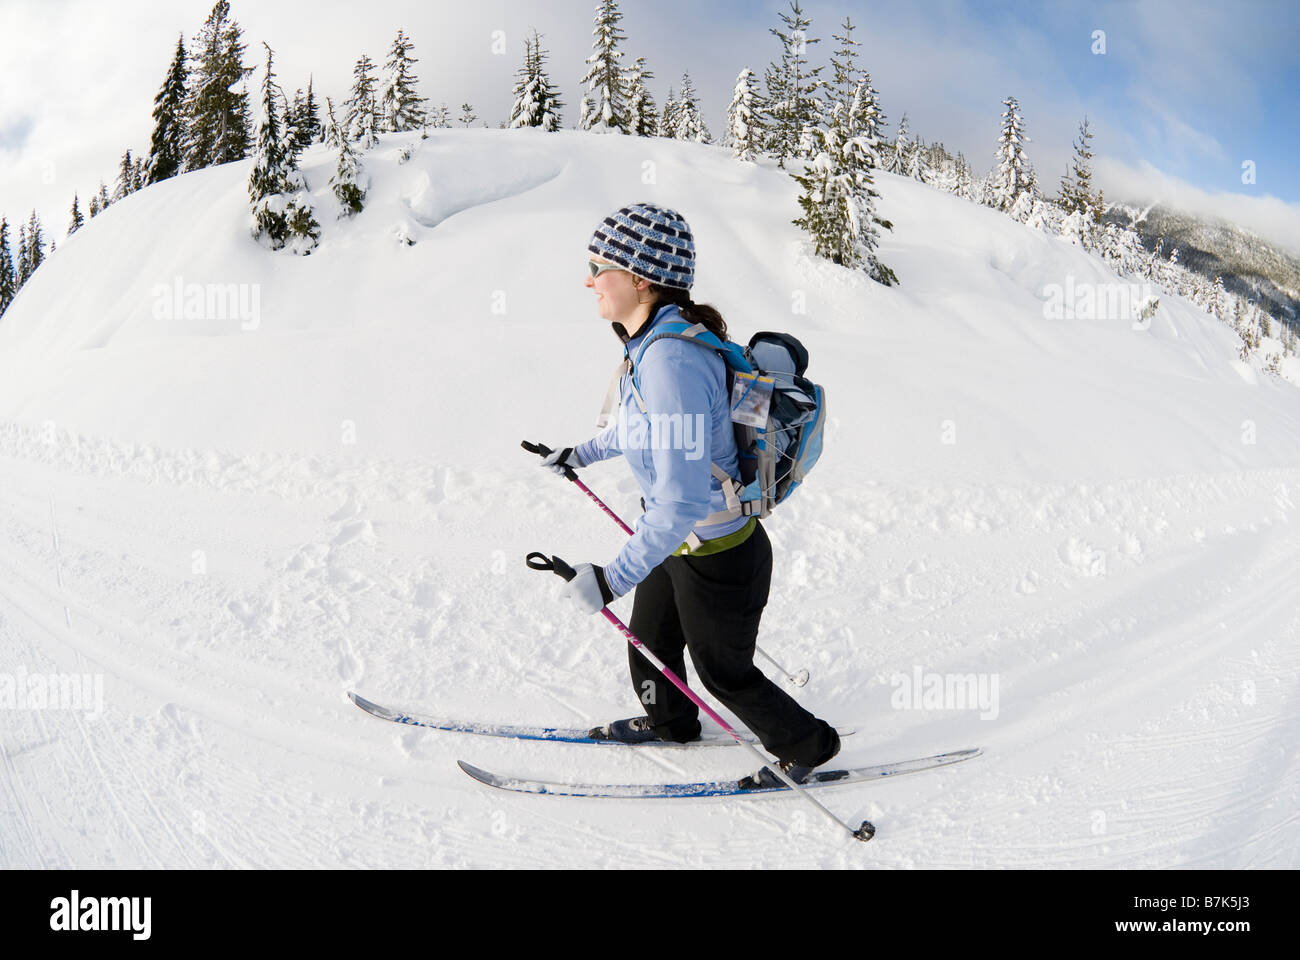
650,242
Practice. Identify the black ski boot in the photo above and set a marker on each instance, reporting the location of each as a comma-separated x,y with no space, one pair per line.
765,779
632,730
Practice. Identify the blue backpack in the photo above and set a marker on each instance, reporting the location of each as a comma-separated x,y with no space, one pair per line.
781,441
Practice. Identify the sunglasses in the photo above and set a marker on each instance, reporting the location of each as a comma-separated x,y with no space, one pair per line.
598,268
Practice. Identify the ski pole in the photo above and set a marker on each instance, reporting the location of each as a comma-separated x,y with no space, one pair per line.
798,679
572,476
539,561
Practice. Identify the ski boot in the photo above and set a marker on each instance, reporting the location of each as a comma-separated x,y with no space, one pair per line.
765,779
631,730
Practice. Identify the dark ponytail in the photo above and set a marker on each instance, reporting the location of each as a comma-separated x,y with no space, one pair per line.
691,312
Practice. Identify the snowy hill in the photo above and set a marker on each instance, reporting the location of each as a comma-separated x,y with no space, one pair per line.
309,480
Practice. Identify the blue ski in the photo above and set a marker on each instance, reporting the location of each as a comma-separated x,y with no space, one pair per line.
718,788
708,738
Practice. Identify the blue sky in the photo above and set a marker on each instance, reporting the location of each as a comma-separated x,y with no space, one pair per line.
1183,95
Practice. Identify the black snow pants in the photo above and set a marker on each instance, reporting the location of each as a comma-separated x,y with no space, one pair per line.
711,605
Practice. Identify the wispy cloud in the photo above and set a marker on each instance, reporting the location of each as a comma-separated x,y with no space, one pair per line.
1271,218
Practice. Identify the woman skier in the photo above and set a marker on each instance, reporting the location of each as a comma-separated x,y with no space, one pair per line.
700,585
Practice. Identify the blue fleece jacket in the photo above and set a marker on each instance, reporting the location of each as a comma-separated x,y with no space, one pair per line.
670,448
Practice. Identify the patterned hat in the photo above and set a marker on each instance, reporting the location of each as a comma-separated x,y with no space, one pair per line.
650,242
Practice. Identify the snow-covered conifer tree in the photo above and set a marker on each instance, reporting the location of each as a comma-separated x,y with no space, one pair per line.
917,166
77,218
838,194
362,122
35,245
744,129
668,117
307,119
8,279
895,159
217,117
793,108
604,103
167,148
642,114
690,122
125,177
536,102
348,182
281,212
400,107
22,264
1013,176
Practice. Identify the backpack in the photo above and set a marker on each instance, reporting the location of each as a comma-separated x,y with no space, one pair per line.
780,441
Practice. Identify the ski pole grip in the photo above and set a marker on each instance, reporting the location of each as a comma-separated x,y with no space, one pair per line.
542,450
539,561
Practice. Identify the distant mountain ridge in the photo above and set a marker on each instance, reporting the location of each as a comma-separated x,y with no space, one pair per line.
1250,265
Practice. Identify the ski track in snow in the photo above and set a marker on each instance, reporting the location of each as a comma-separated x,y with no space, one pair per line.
226,740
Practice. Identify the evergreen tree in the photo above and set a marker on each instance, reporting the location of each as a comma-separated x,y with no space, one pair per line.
23,265
604,105
77,218
690,122
8,279
346,182
281,213
125,177
35,245
963,187
292,134
641,110
1013,176
668,118
1214,303
917,166
1076,185
101,201
838,197
869,117
441,118
217,127
467,114
744,129
399,105
792,86
896,158
167,148
293,114
844,65
536,102
307,120
362,122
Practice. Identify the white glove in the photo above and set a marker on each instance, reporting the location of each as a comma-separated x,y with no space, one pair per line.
560,459
588,590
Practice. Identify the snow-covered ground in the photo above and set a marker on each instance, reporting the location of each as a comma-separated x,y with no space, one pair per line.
232,519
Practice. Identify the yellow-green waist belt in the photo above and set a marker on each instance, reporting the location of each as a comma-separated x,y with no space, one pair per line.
721,543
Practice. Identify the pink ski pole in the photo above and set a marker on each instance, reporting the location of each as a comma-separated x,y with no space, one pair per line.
539,561
798,679
572,476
